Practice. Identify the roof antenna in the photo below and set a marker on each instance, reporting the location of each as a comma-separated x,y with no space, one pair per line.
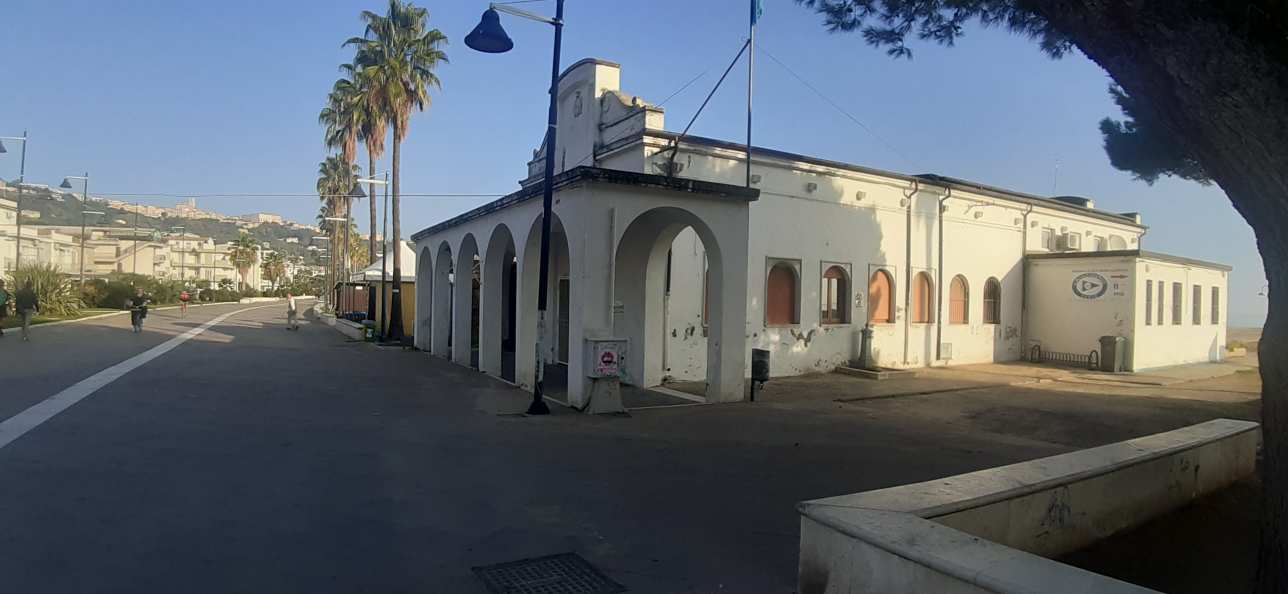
1055,178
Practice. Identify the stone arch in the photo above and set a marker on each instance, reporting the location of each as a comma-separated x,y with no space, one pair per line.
465,301
441,316
424,299
497,305
557,326
640,268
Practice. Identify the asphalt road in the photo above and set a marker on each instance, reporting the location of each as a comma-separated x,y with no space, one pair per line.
254,459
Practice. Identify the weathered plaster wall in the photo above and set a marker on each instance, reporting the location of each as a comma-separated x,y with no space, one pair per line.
686,329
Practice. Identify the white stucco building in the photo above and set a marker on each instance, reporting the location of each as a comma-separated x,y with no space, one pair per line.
658,241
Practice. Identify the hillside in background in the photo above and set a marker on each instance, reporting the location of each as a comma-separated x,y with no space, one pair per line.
55,208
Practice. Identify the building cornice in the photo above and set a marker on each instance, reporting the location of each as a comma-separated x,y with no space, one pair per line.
1131,254
931,179
599,175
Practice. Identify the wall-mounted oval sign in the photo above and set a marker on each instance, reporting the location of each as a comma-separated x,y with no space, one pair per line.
1090,285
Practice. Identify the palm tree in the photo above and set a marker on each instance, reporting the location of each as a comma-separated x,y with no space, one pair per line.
397,56
341,119
244,254
373,125
274,268
357,257
335,180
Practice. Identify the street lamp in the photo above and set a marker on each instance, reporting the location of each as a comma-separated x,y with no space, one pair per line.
384,250
183,255
337,268
22,173
67,185
490,37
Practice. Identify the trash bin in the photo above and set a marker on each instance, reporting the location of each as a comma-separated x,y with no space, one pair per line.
760,365
1113,353
369,330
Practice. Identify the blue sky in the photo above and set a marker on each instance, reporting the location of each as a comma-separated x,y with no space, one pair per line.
188,98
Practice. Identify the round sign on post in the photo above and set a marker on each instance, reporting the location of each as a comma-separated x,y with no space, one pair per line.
1090,285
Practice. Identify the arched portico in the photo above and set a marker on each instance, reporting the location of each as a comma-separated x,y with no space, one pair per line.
557,338
641,274
441,316
464,302
497,305
424,299
608,242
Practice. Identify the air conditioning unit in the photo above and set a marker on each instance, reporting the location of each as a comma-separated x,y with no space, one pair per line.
1069,242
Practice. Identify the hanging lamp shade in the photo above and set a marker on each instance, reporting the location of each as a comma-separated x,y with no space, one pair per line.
66,185
489,37
3,150
357,192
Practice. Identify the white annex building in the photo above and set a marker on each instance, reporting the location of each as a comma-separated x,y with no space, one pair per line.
657,241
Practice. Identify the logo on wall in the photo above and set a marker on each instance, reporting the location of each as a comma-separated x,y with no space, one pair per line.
1090,285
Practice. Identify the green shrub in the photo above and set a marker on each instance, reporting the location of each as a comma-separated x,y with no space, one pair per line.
56,291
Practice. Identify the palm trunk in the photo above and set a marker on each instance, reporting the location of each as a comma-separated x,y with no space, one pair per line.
348,216
1222,98
395,246
371,207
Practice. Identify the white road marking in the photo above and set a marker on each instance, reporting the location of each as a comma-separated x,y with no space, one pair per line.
19,424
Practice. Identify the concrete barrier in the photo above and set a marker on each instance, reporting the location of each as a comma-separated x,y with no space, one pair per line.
260,299
351,329
985,531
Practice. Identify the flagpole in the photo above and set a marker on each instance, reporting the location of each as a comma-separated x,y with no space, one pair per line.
751,69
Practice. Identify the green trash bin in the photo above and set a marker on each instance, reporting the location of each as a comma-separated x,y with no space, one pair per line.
369,330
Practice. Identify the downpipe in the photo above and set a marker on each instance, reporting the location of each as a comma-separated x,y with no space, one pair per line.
939,276
907,269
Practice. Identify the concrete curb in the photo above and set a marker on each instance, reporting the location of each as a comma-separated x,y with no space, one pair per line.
117,313
934,391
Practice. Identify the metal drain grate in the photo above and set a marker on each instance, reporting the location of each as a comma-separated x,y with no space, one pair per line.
565,573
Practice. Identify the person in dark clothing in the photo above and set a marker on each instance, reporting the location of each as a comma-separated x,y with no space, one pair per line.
5,298
138,306
27,305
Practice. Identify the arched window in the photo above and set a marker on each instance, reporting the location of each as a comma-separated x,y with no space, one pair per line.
880,298
780,295
834,297
1116,242
992,302
958,301
923,299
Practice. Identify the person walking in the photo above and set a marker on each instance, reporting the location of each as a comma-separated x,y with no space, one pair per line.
5,298
138,306
292,314
184,297
27,305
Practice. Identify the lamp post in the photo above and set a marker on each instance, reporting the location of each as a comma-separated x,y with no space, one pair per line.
134,266
490,37
183,254
339,267
22,173
384,250
67,185
326,276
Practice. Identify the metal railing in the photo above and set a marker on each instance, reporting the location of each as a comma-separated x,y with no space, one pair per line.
1090,360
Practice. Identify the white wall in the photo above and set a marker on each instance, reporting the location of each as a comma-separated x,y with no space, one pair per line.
1061,320
1164,344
